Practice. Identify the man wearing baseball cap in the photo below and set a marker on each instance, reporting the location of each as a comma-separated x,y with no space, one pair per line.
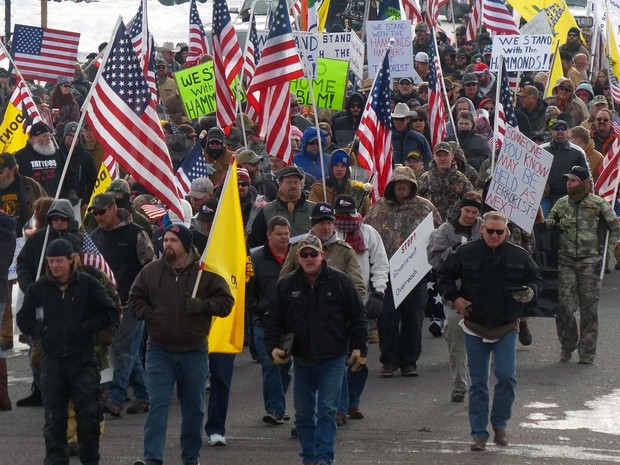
585,222
422,40
200,191
531,103
216,154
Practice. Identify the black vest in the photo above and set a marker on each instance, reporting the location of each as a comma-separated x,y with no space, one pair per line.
118,247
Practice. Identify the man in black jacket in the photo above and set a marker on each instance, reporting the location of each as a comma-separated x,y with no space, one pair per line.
66,308
497,279
321,307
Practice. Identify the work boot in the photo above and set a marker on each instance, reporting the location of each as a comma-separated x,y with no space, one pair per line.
5,402
33,400
525,337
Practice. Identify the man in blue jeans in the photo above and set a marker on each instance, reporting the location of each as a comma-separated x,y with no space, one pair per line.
496,279
320,306
178,326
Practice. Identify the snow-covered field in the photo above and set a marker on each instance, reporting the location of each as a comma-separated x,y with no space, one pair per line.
95,20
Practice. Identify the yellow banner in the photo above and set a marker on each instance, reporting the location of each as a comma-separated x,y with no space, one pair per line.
612,50
102,183
556,73
12,135
226,255
559,16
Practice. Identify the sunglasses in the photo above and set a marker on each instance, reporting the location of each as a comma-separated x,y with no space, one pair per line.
100,212
499,232
243,184
312,254
418,120
602,120
215,142
572,34
355,105
65,85
565,88
58,218
471,84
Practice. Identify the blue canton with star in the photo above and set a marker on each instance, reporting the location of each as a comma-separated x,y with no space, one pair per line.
431,77
221,16
279,23
123,73
381,93
27,40
194,18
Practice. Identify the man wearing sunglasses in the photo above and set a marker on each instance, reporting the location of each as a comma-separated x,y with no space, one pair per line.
489,281
344,126
584,220
563,98
603,133
322,308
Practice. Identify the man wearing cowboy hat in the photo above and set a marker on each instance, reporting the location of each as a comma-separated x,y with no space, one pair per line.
405,139
167,51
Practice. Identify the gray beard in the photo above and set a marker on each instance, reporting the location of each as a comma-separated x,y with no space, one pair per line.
46,150
5,183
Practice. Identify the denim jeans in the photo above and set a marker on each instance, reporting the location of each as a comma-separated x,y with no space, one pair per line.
505,360
188,370
400,329
221,371
316,390
276,378
127,365
353,383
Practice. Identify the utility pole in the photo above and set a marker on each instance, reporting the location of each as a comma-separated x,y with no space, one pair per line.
7,20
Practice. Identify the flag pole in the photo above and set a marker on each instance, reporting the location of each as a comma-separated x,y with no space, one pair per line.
500,72
443,89
555,55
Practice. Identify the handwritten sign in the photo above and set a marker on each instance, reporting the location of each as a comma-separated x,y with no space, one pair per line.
329,86
344,46
409,264
522,53
519,179
197,89
538,25
378,35
19,244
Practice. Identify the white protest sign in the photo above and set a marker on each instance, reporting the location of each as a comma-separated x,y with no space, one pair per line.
18,247
522,53
344,46
378,35
409,264
538,25
519,179
307,46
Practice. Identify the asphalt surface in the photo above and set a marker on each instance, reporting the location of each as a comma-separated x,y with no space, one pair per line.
563,414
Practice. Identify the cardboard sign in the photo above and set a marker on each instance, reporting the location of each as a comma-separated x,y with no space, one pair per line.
197,89
409,264
522,52
329,86
19,244
519,179
378,35
538,25
344,46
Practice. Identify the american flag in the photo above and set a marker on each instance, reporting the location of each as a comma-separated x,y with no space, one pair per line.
615,123
609,175
122,115
497,18
505,110
22,100
228,60
474,20
269,91
198,45
250,59
44,54
375,130
92,257
194,166
432,11
614,89
144,45
154,212
412,11
111,165
436,110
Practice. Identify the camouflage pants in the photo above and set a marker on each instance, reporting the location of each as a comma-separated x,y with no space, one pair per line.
579,289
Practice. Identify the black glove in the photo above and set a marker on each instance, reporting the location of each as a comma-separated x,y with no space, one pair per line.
194,305
374,306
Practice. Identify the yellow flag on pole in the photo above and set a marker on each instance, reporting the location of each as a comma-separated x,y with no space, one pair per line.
559,16
226,255
102,183
12,135
556,73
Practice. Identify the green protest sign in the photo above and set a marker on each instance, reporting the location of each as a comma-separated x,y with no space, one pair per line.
329,86
197,89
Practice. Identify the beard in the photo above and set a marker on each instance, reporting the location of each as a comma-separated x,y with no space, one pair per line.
45,148
170,255
5,183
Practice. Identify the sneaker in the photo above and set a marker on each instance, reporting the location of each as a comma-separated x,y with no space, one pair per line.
138,406
457,396
217,440
525,337
408,371
272,419
373,336
355,413
565,356
341,419
435,328
113,407
478,445
388,369
583,360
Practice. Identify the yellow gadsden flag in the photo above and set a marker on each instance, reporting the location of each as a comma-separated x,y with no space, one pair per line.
12,135
226,255
102,183
559,16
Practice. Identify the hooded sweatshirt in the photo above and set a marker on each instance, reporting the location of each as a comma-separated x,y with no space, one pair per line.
344,126
308,161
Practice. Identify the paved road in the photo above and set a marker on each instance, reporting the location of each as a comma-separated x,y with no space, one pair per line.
564,414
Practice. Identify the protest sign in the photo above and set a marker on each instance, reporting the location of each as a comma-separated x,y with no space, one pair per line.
378,35
519,179
329,86
522,53
307,47
538,25
19,244
344,46
409,264
197,89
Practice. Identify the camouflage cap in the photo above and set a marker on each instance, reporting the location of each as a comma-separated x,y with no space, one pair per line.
118,188
310,242
443,146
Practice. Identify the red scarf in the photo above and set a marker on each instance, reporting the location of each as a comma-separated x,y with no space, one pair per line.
352,227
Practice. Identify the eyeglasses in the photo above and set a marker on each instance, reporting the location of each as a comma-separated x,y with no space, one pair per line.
100,212
602,120
312,254
58,218
243,184
565,88
471,84
499,232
